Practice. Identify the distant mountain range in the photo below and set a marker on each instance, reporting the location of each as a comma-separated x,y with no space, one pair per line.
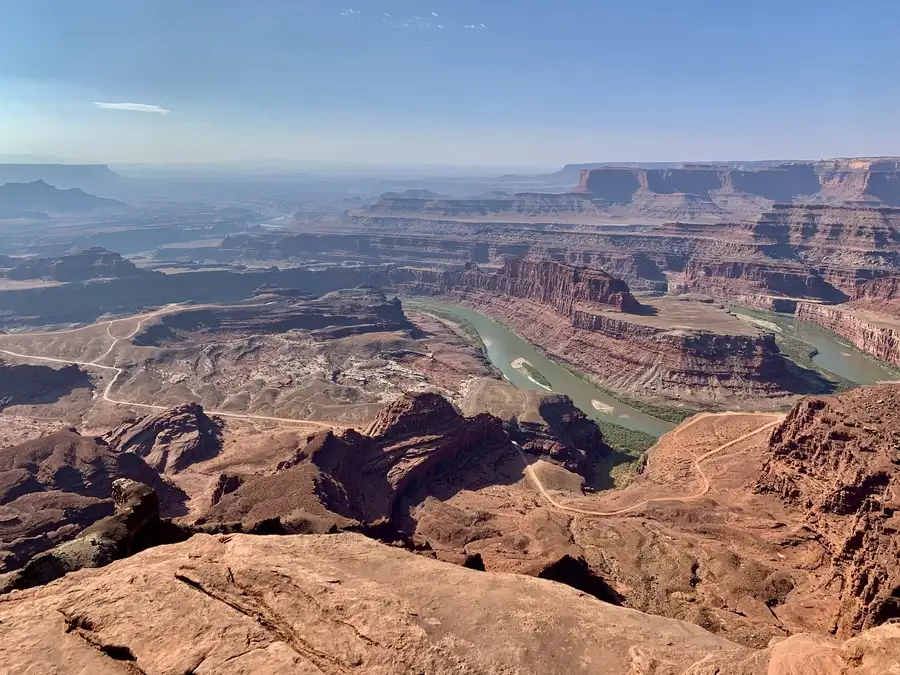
37,199
94,178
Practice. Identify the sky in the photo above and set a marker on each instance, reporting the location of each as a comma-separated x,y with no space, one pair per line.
504,83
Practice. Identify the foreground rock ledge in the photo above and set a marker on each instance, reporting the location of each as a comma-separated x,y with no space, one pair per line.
343,603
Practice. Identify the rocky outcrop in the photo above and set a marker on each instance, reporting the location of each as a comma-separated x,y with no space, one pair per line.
343,603
171,440
837,459
335,315
728,279
362,477
92,263
566,436
623,185
134,525
565,288
880,340
54,486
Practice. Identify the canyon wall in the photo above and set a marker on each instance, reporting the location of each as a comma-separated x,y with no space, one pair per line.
616,347
881,341
563,287
622,185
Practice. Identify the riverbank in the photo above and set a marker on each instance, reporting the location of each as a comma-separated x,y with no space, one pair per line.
819,350
628,429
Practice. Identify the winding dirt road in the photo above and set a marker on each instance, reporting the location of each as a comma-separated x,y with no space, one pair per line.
142,319
696,464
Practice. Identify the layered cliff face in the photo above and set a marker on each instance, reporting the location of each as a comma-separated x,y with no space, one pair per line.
563,287
837,458
523,204
623,185
864,330
587,327
274,311
730,279
92,263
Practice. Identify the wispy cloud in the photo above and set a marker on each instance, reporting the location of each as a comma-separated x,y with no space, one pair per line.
435,14
133,107
350,12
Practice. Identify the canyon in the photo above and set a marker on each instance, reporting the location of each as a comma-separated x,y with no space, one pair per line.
259,415
670,348
732,533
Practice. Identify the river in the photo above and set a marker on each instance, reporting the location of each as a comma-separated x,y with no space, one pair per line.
834,353
507,351
505,348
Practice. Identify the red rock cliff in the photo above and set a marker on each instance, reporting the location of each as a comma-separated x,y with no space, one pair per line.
557,285
567,313
838,459
881,341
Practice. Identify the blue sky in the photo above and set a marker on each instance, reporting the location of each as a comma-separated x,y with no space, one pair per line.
463,82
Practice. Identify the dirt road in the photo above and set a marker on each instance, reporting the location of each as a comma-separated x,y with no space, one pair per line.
142,319
696,464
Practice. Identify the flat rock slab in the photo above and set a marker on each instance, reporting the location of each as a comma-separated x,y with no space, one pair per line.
329,604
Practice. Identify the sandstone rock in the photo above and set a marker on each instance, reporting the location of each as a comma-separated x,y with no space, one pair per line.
54,486
171,440
225,485
361,477
568,435
342,603
837,459
563,287
242,604
134,525
866,333
277,310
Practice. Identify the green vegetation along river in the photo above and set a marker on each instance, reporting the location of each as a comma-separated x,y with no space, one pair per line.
527,368
832,353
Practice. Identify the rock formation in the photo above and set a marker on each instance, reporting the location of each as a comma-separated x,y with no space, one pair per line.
343,603
866,332
43,198
837,459
334,315
362,477
171,440
134,525
91,263
567,436
624,185
592,330
54,302
52,487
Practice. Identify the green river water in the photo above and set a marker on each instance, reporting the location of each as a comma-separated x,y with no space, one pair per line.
504,348
835,354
